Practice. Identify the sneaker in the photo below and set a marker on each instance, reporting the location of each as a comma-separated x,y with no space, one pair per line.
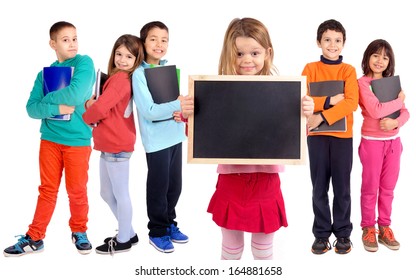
113,246
386,237
321,246
162,244
342,245
134,240
25,245
80,240
176,235
369,239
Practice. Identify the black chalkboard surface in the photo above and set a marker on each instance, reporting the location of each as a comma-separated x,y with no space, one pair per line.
247,120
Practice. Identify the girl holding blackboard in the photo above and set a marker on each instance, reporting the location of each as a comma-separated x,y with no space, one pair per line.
380,147
248,198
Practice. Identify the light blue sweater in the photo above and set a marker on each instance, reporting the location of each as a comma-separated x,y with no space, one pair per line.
157,135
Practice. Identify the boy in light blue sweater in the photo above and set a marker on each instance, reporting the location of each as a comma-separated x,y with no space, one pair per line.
162,139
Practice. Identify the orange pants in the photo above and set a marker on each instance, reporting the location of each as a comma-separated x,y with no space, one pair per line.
53,160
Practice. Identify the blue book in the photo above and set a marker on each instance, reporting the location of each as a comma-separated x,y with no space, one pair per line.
55,78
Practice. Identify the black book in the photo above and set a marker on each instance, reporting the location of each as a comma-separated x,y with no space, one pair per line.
387,89
100,80
99,83
328,88
163,83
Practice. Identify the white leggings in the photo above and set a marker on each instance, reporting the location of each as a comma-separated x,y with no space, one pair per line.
233,245
114,180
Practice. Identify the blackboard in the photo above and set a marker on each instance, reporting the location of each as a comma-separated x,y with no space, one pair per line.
247,120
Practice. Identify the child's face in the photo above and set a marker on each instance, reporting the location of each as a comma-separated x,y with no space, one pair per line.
123,59
251,56
156,45
332,43
378,62
65,44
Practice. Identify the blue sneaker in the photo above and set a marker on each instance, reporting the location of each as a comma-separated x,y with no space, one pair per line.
162,244
176,235
80,240
24,246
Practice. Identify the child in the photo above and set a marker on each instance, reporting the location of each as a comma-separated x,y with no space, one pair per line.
115,136
380,148
247,50
65,145
162,139
330,153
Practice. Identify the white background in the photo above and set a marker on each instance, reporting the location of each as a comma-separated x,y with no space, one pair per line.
196,34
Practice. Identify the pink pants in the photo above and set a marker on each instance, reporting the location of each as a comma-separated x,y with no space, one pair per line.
381,166
53,160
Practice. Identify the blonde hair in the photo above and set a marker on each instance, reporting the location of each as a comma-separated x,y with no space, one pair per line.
245,27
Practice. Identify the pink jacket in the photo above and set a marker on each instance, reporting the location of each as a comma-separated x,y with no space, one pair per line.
373,111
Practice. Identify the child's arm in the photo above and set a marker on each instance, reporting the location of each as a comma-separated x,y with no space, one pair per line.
117,88
387,124
34,106
347,105
80,88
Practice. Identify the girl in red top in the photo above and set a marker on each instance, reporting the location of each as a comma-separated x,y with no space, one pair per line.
115,136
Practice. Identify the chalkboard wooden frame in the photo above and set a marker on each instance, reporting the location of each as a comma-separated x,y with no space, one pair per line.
229,108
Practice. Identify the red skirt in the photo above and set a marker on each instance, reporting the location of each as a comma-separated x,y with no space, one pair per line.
250,202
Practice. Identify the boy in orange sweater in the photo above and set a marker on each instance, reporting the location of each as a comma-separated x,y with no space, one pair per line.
331,153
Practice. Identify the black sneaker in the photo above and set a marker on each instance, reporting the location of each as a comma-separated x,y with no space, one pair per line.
321,246
113,246
342,245
134,240
81,242
24,245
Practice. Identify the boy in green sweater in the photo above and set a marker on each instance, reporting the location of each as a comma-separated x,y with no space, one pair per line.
65,146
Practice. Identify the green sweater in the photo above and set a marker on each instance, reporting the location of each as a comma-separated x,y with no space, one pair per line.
74,132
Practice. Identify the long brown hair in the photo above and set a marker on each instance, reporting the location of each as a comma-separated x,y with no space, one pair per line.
134,45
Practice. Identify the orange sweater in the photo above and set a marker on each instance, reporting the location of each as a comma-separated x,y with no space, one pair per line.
319,71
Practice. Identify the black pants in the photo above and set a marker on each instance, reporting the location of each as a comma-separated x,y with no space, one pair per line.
164,186
330,160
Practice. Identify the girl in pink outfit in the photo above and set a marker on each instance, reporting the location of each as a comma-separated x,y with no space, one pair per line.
380,148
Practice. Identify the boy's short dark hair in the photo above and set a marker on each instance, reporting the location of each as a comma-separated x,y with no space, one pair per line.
58,26
145,29
330,24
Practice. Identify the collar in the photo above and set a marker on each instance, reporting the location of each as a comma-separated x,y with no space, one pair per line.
333,62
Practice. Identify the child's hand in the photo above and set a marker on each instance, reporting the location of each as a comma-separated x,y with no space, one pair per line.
336,98
402,96
387,124
90,101
187,106
65,109
314,121
177,116
307,105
